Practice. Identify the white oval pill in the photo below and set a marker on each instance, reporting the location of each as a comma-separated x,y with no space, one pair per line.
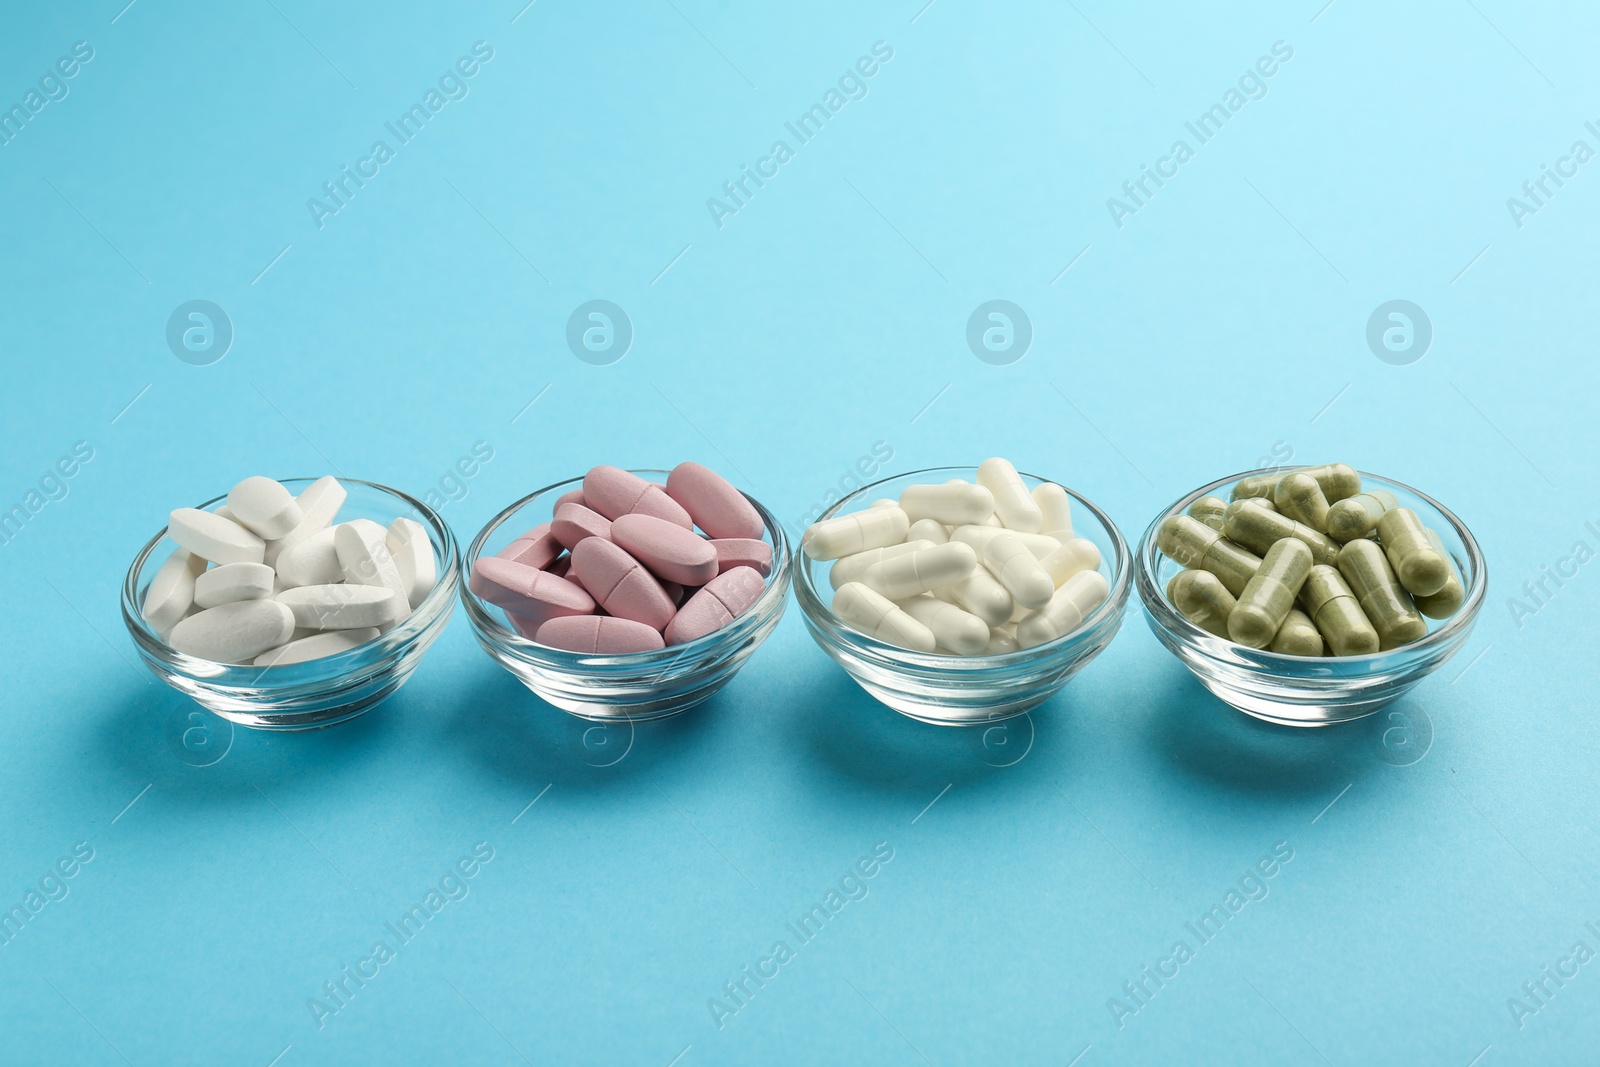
214,537
232,582
315,646
310,561
877,616
848,534
233,633
343,607
319,505
1013,504
412,550
1067,610
365,559
951,504
264,507
171,591
910,573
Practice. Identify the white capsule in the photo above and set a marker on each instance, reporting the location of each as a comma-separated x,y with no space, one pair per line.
1013,505
214,537
315,646
846,535
1078,554
1041,545
233,633
955,630
877,616
1055,507
319,505
364,556
930,530
852,567
885,502
904,576
954,504
412,550
311,560
985,597
1067,610
1001,640
342,607
1009,560
264,507
233,582
171,591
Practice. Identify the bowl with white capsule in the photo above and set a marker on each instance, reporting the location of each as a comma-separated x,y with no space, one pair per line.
293,603
944,640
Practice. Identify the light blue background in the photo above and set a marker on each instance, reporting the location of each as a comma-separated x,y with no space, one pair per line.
1441,857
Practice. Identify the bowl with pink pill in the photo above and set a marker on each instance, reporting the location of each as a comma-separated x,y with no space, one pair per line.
915,670
247,639
627,594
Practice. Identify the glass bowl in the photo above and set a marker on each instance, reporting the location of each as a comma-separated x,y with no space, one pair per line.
964,690
631,686
1311,690
320,692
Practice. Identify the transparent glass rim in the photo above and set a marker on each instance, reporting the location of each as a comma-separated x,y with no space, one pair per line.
371,655
1170,618
661,661
826,622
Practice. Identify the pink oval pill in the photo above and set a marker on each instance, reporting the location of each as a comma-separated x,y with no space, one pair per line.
743,552
713,503
526,591
571,496
671,552
574,522
620,583
723,599
537,548
614,492
598,634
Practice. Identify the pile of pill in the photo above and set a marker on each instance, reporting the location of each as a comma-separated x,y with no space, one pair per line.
1305,563
962,568
269,579
620,567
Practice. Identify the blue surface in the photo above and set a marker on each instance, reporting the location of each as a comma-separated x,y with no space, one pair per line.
1440,858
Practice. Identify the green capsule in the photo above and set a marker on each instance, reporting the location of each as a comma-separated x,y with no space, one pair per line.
1192,543
1338,480
1249,524
1447,601
1327,598
1269,596
1297,636
1382,598
1300,497
1358,516
1405,541
1209,509
1264,502
1203,600
1257,485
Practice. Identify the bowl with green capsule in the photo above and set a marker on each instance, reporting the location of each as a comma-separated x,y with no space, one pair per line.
1282,682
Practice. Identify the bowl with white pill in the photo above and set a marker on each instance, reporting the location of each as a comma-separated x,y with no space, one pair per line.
1310,596
295,603
961,596
627,595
